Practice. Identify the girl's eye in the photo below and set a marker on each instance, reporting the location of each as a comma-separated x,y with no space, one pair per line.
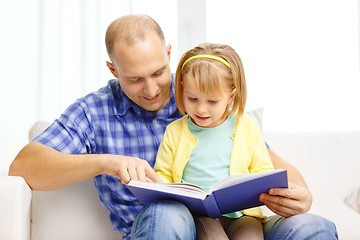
212,101
192,99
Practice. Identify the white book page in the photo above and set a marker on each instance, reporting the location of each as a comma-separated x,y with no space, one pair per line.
239,178
183,189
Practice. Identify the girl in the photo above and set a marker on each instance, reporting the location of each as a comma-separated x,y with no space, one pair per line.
215,138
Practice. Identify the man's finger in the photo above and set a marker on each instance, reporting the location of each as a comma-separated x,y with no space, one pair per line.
132,170
141,173
123,175
283,205
277,205
151,174
280,213
148,180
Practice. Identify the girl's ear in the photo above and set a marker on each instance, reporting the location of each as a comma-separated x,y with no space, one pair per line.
232,96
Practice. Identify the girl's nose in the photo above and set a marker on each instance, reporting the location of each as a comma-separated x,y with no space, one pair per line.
201,108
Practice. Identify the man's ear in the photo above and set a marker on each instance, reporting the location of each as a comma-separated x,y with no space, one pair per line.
112,69
168,49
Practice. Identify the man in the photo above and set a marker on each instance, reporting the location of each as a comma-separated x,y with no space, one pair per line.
112,135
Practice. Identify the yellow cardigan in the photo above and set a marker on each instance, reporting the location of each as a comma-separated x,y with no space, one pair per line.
249,153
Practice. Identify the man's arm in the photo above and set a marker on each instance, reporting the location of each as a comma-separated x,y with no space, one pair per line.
291,201
44,168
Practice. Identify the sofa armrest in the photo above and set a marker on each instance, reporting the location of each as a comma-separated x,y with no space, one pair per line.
15,204
70,213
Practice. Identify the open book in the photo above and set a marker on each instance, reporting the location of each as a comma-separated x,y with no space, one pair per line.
230,194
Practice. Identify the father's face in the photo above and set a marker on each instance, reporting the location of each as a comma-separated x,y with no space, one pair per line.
144,73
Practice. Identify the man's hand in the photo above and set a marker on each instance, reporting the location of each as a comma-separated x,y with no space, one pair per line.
129,168
288,202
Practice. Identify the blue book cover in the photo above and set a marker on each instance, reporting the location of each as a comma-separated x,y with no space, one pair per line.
230,194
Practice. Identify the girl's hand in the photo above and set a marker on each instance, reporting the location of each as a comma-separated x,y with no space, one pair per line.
287,202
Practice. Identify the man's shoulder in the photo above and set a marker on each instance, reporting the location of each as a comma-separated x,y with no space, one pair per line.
98,102
104,94
106,91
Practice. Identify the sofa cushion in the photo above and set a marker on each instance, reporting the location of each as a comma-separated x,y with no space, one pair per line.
257,115
353,199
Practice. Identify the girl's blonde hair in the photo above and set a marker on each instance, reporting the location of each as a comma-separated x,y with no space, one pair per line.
212,76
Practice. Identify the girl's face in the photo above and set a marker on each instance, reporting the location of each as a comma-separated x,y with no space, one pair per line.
205,110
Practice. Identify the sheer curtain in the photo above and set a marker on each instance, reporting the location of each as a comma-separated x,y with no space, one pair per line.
53,52
71,59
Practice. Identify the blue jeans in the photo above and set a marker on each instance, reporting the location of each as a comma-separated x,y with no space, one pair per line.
302,226
172,220
164,220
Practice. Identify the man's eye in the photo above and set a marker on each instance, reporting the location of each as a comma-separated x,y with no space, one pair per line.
134,80
157,74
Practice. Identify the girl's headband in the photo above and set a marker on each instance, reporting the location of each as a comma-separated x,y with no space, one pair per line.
206,56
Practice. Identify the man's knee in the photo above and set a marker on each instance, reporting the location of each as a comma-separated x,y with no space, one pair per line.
314,226
302,226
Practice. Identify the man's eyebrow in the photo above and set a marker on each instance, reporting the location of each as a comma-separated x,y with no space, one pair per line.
161,69
138,77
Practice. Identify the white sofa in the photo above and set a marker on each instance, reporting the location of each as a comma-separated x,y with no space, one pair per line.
329,161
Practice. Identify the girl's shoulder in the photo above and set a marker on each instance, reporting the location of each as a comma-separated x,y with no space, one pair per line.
177,125
177,130
246,121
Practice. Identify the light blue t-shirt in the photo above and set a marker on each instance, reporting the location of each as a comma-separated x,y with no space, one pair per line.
210,160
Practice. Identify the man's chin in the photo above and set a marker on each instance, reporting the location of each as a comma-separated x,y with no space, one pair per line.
152,107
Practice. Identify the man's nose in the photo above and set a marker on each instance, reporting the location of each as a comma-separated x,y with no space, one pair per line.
150,88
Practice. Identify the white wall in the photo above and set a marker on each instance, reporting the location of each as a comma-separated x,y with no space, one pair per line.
301,59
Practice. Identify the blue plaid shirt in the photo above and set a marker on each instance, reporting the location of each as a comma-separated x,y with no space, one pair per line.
108,122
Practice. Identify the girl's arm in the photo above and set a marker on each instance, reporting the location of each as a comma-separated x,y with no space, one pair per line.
164,159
